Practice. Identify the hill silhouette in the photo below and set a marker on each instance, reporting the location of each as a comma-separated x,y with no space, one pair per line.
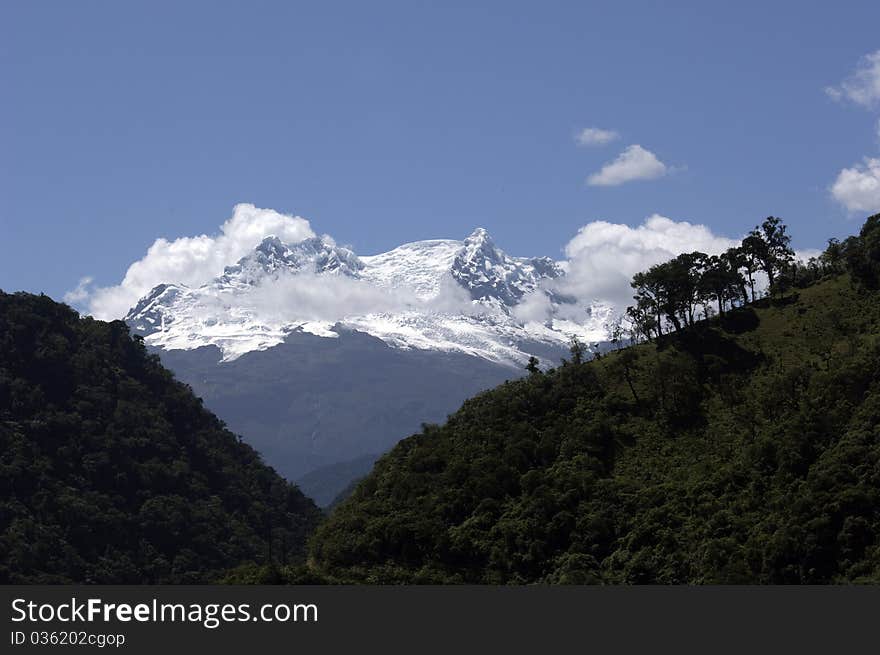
112,471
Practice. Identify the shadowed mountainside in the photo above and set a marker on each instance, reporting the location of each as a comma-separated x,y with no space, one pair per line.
312,402
742,451
113,472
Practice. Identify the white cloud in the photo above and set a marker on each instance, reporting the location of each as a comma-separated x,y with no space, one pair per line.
806,254
858,188
307,296
196,260
331,298
81,293
603,257
863,86
634,163
595,136
535,307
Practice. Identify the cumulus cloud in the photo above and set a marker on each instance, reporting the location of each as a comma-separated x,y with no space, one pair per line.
80,293
862,87
858,188
535,307
603,256
196,260
634,163
595,136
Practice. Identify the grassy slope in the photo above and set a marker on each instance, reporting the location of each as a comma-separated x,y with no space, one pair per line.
743,454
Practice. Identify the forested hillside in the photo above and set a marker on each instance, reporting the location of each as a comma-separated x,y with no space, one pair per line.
113,472
742,448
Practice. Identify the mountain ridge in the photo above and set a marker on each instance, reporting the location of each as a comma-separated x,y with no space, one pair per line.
439,294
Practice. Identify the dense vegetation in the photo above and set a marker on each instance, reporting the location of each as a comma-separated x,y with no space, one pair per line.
113,472
743,448
674,294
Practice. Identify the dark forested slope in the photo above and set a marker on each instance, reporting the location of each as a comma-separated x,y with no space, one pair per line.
744,449
113,472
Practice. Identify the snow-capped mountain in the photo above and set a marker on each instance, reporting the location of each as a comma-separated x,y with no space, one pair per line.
445,295
273,256
323,359
490,275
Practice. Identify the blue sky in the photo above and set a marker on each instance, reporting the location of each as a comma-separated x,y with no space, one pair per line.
390,122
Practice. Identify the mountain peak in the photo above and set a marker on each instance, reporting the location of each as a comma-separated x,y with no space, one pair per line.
492,275
406,305
479,235
150,313
272,255
270,242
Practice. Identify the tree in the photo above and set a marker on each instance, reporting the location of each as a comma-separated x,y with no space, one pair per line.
772,247
532,366
676,291
863,254
650,298
682,278
720,282
832,260
642,321
577,350
737,261
669,291
750,248
627,361
616,331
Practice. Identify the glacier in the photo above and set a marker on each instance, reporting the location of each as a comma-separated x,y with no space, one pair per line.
457,296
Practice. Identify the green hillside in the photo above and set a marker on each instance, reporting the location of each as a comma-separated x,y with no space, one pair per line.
740,449
112,472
